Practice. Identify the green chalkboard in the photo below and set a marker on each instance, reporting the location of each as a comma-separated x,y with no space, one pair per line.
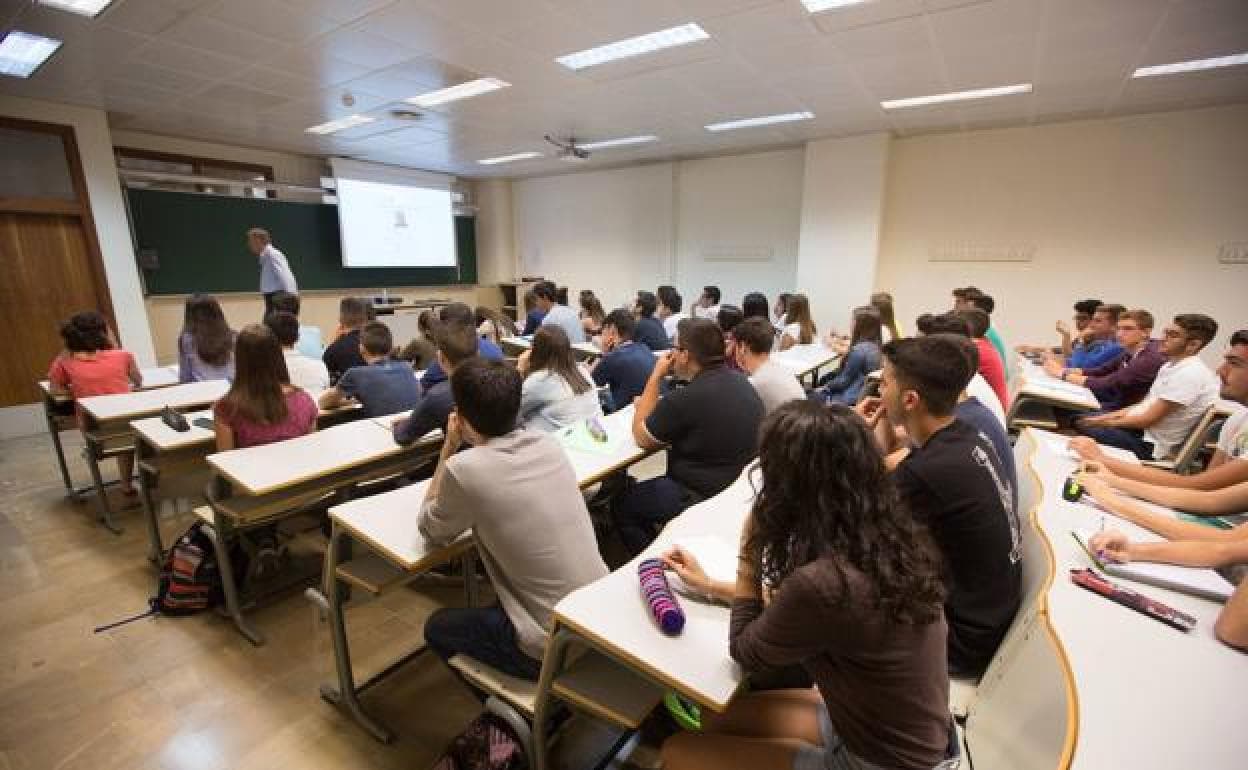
198,243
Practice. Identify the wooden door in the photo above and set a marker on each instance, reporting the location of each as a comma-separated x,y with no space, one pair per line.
50,264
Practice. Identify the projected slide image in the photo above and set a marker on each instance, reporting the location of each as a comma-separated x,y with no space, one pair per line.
390,225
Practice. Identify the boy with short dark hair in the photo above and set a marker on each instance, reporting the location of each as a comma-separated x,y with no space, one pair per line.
625,365
517,492
384,386
344,352
456,343
649,330
307,372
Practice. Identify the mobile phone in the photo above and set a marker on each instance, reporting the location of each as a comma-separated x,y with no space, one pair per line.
203,422
174,420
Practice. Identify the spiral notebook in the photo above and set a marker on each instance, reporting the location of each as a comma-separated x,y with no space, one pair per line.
1196,581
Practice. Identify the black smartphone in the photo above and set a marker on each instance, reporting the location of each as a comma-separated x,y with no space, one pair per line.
203,422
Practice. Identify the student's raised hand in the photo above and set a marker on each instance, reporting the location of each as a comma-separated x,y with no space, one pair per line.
522,362
870,409
1063,329
1112,546
663,364
686,565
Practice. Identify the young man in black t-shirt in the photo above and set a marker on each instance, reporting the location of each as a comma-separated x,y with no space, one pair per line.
953,480
710,429
344,352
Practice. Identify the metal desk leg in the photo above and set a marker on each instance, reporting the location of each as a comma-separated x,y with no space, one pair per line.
219,533
156,548
470,577
91,452
60,450
346,694
552,664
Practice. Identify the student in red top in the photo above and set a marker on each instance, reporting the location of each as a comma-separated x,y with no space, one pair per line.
990,364
91,365
261,406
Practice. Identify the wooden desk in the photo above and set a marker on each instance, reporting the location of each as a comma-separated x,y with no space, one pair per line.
517,345
805,361
263,484
1033,387
107,421
58,412
161,450
1122,690
387,525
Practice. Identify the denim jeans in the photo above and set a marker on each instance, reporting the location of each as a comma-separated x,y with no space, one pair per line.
642,508
1123,438
484,634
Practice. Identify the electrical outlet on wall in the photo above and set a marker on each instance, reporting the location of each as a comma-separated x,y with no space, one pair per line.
1233,253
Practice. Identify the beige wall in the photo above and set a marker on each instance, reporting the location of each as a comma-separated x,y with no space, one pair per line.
1132,210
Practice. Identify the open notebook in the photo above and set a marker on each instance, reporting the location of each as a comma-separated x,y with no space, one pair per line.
1196,581
716,555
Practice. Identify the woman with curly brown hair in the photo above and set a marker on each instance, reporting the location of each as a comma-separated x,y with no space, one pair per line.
856,599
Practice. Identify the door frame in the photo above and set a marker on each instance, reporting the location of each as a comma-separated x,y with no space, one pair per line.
80,207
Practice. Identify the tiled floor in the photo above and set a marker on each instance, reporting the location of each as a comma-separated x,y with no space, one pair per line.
183,693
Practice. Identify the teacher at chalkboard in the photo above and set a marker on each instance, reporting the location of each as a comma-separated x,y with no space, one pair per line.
275,272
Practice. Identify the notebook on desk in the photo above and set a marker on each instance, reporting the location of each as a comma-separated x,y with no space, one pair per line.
1196,581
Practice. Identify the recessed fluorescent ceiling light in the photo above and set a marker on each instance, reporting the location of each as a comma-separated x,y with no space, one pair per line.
509,158
81,7
461,91
957,96
764,120
341,124
1194,65
21,53
634,46
618,142
815,6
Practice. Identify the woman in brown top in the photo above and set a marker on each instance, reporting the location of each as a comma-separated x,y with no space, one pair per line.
855,597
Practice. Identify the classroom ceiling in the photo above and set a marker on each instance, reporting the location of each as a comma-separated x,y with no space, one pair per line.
259,72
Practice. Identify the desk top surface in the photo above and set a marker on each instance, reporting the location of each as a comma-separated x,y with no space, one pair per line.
804,358
620,451
1033,381
141,403
1132,673
153,377
259,470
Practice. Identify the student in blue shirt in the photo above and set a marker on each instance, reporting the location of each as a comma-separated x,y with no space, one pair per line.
649,331
457,313
384,386
534,315
627,364
1102,345
845,386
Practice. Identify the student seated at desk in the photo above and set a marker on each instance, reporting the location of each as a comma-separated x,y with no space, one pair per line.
755,305
533,314
1229,464
991,367
799,327
493,325
305,372
557,390
383,385
856,598
774,383
669,313
1125,379
727,319
344,350
953,479
882,301
625,366
516,490
1191,545
309,343
261,406
557,313
420,352
707,305
592,315
845,385
457,313
781,310
1100,344
206,344
457,343
649,331
978,388
973,298
1154,428
709,427
92,365
1070,342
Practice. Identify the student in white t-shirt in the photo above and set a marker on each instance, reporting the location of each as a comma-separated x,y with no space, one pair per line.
774,384
669,310
707,305
799,326
1184,389
307,373
564,317
1229,464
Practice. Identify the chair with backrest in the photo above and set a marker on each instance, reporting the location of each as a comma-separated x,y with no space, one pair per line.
1189,450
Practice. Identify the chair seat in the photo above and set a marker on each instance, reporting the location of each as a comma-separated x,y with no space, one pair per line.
518,693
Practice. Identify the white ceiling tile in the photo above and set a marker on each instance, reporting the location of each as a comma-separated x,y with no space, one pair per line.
866,15
279,83
210,34
190,60
289,22
355,45
239,96
709,9
315,64
343,10
1199,29
150,17
144,74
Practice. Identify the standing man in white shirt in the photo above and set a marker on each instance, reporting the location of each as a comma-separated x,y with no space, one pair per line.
275,272
556,314
1185,387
